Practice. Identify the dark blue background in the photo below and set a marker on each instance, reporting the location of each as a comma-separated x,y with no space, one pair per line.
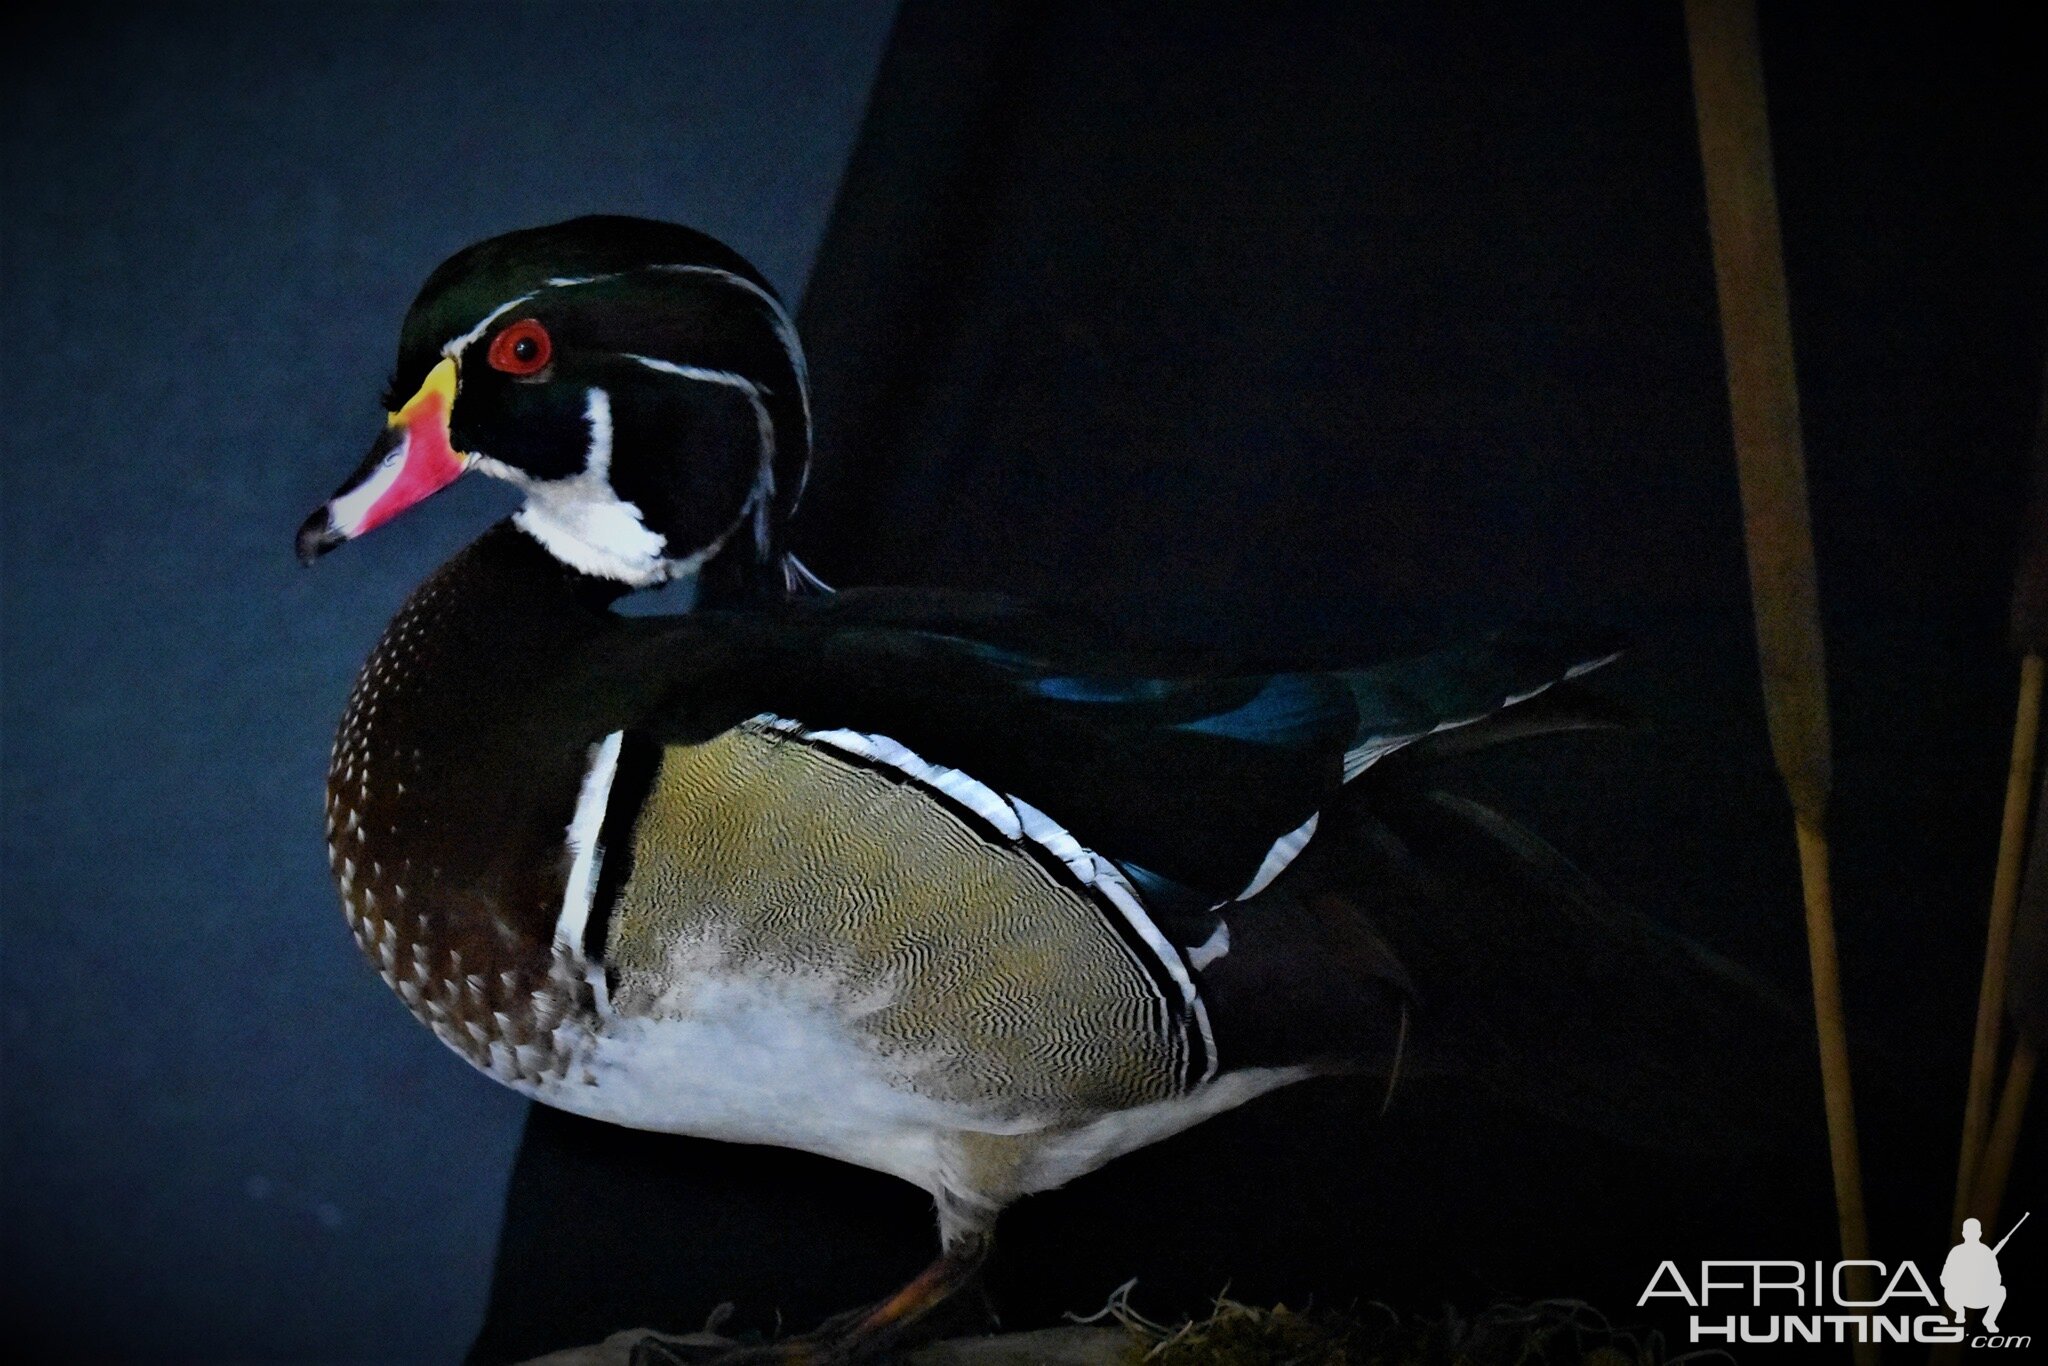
223,1141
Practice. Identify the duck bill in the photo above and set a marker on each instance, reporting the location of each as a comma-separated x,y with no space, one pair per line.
412,459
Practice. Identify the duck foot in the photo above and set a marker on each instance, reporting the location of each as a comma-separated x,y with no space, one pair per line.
863,1335
708,1349
830,1345
692,1349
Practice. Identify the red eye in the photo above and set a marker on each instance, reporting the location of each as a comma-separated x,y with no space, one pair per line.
521,349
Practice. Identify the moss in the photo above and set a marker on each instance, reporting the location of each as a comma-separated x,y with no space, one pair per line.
1550,1333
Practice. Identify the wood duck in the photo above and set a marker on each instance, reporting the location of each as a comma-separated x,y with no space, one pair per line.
933,883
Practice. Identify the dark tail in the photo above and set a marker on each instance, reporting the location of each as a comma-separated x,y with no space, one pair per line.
1531,979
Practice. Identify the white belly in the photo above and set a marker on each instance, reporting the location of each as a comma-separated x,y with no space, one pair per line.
751,1061
744,1060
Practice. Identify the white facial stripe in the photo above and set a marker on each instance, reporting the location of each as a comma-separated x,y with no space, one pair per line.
456,347
752,390
348,511
597,412
581,520
778,318
785,330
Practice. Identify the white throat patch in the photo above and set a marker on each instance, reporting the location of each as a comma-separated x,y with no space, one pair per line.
581,520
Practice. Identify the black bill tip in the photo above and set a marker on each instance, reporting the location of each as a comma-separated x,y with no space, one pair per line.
317,536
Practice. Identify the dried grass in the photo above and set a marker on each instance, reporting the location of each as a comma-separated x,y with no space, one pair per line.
1543,1333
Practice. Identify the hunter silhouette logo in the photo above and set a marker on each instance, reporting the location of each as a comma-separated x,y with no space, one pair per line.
1970,1279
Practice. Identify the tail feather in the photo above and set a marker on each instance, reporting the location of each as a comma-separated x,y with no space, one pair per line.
1414,701
1530,978
1565,707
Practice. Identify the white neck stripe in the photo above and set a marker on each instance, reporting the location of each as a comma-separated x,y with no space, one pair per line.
778,318
764,477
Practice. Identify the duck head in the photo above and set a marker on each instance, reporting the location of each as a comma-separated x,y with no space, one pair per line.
639,381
